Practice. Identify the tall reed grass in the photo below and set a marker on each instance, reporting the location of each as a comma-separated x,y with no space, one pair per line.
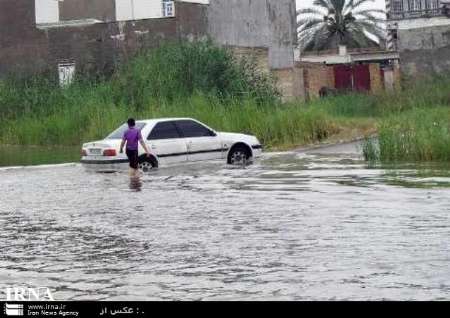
275,125
205,82
421,134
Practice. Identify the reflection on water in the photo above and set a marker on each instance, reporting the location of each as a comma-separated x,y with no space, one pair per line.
294,226
135,183
30,155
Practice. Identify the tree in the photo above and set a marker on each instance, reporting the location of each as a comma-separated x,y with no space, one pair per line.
330,23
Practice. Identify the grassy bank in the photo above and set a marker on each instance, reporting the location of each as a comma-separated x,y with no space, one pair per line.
274,125
413,125
417,135
195,80
205,82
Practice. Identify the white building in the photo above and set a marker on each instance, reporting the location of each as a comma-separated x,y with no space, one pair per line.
413,14
410,14
47,11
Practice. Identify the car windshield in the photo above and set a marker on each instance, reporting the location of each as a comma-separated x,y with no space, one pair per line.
118,133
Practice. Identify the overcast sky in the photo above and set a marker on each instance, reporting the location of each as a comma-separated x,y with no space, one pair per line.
379,4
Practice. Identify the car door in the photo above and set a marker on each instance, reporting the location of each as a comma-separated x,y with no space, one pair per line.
166,142
202,142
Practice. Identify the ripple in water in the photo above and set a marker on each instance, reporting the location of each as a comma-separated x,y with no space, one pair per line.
291,227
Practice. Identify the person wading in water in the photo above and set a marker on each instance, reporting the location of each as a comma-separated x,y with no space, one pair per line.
132,137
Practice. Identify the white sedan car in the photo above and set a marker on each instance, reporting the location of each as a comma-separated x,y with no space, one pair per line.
172,141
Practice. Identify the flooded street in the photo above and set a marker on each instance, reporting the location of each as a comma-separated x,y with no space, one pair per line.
315,225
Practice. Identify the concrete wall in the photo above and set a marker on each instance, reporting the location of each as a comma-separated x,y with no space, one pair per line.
256,23
283,33
425,50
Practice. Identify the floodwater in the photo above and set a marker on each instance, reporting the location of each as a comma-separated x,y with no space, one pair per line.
317,225
32,155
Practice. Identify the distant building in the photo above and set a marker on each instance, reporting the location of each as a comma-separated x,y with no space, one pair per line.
54,11
65,37
420,31
90,36
367,70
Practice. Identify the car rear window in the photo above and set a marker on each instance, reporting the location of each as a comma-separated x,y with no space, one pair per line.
118,133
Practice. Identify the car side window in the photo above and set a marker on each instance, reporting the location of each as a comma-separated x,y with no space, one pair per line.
164,130
191,129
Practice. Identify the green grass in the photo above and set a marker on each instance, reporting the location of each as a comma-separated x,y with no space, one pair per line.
275,125
205,82
197,80
417,135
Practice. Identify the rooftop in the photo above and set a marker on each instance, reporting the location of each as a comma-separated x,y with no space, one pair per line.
347,56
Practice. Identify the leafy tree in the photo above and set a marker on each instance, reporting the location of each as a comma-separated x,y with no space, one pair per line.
330,23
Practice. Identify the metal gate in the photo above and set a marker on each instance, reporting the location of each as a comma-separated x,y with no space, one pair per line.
352,77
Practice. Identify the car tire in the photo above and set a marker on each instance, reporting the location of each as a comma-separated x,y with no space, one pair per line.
239,155
147,164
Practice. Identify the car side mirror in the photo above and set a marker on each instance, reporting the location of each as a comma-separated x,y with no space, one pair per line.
212,133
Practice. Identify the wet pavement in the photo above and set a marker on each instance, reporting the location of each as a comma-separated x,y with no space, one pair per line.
311,225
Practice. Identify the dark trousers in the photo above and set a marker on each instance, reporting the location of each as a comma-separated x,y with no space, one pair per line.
133,158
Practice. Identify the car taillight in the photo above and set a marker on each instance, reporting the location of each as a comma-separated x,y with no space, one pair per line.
109,153
83,152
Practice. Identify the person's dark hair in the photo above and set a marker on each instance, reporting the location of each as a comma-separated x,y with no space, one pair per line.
131,122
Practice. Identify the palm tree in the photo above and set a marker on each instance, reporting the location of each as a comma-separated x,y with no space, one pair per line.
331,23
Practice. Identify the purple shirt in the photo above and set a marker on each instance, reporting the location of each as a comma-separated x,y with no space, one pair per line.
132,137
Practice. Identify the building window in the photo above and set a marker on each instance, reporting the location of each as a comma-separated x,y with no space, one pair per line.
168,8
435,4
66,72
415,8
397,5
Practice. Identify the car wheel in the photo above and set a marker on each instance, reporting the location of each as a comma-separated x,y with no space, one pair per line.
239,155
147,164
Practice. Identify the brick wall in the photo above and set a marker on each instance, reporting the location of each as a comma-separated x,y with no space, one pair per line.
192,20
23,48
376,81
266,26
397,76
95,48
259,54
99,48
290,83
316,76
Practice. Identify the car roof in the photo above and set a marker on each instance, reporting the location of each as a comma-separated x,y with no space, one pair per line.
157,120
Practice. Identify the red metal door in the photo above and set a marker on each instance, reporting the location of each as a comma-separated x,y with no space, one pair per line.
343,77
361,75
